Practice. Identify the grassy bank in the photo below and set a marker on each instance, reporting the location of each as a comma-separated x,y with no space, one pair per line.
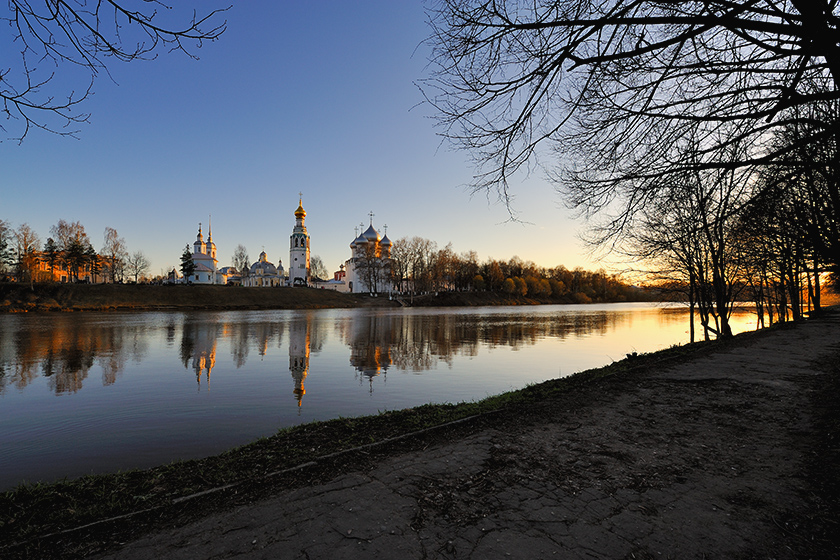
75,518
125,297
103,297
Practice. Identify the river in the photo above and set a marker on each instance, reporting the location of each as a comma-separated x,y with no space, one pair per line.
96,392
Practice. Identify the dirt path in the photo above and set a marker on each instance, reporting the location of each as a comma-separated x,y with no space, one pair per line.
732,455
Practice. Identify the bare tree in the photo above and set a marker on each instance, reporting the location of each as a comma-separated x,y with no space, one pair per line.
370,268
616,87
317,268
65,233
240,261
6,249
137,265
26,246
115,252
66,45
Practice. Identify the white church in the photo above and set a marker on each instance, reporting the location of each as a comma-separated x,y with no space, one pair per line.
368,270
204,258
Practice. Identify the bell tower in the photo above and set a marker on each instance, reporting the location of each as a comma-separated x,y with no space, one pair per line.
299,249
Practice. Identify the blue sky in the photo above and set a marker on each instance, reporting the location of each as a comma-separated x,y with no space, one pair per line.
312,97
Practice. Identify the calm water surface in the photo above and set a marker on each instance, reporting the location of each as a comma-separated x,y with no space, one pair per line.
96,392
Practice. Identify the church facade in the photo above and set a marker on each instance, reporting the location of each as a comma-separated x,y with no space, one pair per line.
368,270
204,259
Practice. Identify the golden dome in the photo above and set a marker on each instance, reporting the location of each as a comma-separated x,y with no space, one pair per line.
300,212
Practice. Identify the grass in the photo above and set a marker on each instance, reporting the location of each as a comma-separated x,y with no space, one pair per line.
104,297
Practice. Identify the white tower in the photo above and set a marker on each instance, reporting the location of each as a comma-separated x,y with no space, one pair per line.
299,249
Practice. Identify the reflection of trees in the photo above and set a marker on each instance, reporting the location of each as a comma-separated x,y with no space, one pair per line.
419,342
65,352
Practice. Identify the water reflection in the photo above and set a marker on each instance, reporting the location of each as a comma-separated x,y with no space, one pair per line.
418,343
64,349
166,386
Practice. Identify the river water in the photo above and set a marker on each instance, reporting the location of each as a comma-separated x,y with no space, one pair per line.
97,392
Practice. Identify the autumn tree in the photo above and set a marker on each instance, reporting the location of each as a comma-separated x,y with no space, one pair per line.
61,47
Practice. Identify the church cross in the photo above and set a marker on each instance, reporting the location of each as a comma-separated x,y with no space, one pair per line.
371,214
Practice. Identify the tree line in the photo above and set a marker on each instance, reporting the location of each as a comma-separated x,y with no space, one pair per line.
418,266
68,253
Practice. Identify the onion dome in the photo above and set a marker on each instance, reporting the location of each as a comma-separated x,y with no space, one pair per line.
359,241
385,241
300,212
370,234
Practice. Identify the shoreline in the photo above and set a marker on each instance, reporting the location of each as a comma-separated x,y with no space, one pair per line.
76,514
69,298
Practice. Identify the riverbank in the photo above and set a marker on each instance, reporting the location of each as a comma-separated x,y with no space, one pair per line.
139,297
725,449
16,298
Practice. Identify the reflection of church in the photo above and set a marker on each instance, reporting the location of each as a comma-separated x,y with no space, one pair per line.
198,344
370,346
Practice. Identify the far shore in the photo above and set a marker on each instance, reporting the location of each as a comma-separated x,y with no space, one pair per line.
17,298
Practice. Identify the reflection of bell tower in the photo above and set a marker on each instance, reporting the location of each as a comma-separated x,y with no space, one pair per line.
299,347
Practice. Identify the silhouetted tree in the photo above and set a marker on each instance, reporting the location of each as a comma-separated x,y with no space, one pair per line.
65,45
616,85
51,255
187,264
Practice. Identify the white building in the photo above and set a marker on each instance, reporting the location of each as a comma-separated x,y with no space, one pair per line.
299,250
369,268
204,259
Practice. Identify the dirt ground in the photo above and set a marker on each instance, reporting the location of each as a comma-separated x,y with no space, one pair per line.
733,454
